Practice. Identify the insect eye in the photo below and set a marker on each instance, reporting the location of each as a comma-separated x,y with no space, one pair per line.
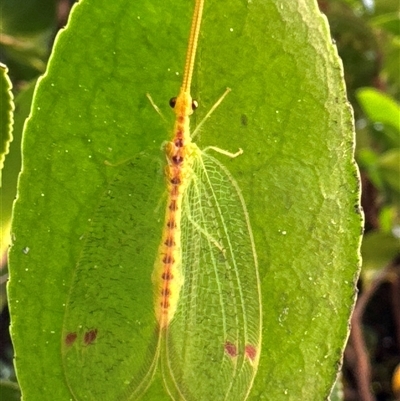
195,105
172,102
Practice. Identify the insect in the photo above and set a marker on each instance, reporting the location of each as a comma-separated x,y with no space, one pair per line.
199,318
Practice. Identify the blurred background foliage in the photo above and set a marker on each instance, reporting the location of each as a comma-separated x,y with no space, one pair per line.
367,35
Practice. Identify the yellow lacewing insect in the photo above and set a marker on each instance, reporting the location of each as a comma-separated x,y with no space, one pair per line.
199,317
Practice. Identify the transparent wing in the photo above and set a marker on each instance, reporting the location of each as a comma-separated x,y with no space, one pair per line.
212,345
110,336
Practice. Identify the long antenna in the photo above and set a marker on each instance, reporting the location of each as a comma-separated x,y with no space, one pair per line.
192,46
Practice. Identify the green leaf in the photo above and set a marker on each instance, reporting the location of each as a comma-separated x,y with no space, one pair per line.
379,107
287,111
389,166
378,249
383,169
390,22
387,218
12,163
6,114
6,125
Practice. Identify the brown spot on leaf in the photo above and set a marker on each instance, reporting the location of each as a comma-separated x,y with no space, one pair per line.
70,338
90,336
231,349
250,352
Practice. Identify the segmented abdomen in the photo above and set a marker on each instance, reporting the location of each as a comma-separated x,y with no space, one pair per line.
167,276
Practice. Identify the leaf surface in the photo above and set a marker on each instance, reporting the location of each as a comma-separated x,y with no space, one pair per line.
287,111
